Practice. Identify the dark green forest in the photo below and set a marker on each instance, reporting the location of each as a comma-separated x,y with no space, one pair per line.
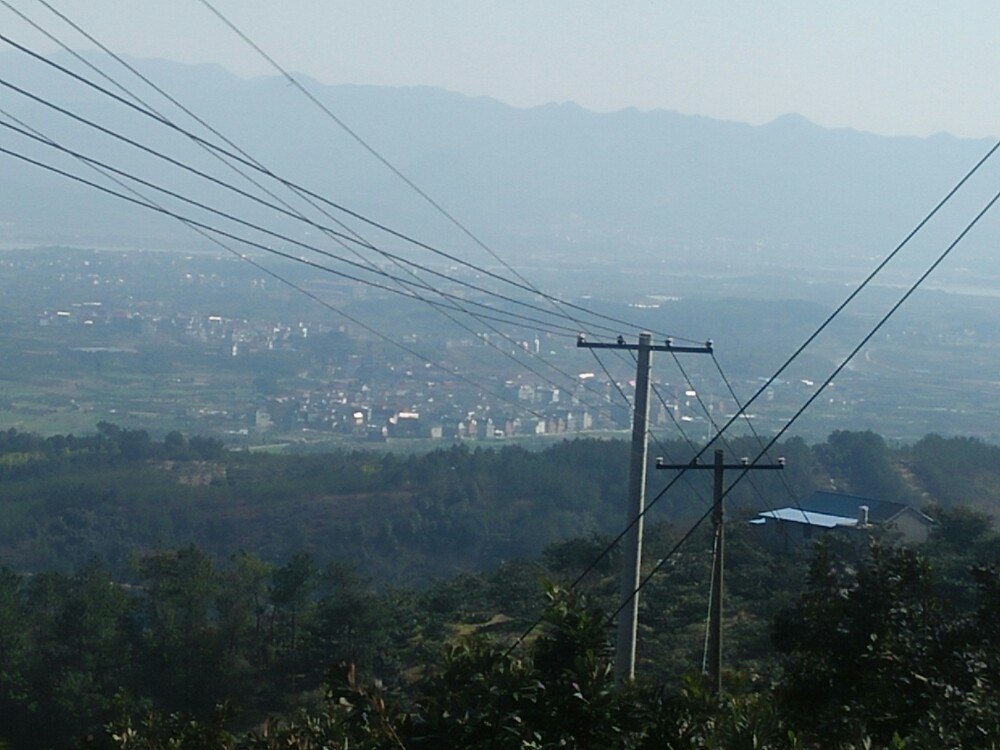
406,519
159,594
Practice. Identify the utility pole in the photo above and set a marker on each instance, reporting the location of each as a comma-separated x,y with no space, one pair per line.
628,620
718,468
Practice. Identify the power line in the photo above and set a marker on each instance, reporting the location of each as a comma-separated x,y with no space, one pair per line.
659,444
806,343
336,236
837,370
382,159
691,444
104,167
290,240
717,549
649,505
871,333
229,142
725,441
333,235
222,183
867,280
611,379
718,468
208,232
631,560
339,207
740,409
551,328
136,98
214,230
680,428
547,326
628,403
708,615
663,561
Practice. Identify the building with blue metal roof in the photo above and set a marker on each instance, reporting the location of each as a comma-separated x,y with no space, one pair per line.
823,512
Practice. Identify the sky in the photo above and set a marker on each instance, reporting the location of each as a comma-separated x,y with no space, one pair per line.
892,67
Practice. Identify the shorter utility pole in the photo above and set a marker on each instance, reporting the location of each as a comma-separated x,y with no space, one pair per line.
718,467
628,620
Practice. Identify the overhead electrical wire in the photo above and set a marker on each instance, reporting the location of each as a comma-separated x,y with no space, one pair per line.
186,167
209,232
829,319
725,442
337,236
854,293
290,240
858,289
147,106
652,435
685,436
740,410
836,371
537,324
868,337
332,233
288,183
649,433
191,222
385,162
708,614
442,310
159,90
240,171
457,305
546,326
673,419
693,447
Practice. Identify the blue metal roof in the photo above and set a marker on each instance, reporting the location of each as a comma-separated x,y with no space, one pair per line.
794,515
846,506
830,509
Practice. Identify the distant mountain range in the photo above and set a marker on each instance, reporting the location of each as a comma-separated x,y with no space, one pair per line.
552,183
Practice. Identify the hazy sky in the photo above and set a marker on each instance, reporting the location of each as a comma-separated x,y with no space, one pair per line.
888,66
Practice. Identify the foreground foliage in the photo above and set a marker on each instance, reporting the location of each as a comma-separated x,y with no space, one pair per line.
880,650
177,647
872,660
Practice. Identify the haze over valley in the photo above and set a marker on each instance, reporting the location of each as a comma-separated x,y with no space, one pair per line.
706,229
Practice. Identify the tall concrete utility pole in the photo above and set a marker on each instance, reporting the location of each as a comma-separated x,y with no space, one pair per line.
628,620
718,467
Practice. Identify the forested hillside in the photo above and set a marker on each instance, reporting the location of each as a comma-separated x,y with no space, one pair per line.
157,592
406,518
845,647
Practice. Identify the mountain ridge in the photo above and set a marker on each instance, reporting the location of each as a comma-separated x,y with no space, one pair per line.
556,179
